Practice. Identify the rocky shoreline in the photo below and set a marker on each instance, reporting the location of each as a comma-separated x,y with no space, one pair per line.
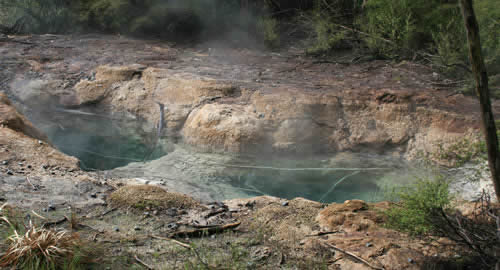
224,103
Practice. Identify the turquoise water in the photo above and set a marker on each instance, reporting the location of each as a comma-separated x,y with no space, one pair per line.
104,142
100,141
335,179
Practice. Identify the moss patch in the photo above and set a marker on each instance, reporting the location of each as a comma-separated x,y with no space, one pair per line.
152,197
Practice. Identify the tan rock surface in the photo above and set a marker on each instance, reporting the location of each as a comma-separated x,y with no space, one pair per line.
21,142
219,116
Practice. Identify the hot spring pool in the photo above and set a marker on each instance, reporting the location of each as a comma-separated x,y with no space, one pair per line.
128,148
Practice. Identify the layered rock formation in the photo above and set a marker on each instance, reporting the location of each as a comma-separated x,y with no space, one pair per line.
221,117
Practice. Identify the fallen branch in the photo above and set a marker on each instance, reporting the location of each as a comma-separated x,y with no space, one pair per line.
187,246
37,215
143,263
204,231
322,233
355,257
54,223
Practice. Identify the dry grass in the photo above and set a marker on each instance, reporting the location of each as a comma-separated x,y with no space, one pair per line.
38,248
150,197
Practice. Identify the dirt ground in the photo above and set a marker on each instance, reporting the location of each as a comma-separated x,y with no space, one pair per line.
42,184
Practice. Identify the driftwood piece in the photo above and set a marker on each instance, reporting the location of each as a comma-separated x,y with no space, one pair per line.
204,231
354,257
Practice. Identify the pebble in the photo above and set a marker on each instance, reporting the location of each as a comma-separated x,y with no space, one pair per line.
40,142
9,172
369,244
284,203
172,226
93,195
5,162
116,229
410,260
137,228
146,214
51,207
155,212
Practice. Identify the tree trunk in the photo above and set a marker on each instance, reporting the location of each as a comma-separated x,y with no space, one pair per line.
481,77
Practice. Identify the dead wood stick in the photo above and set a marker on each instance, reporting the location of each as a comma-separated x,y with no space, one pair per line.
54,223
187,246
354,256
107,212
37,215
322,233
173,240
211,214
204,231
33,186
143,263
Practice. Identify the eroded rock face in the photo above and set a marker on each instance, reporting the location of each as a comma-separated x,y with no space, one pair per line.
12,119
217,116
20,141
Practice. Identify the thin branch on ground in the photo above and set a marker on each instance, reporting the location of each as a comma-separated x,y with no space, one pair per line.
354,256
143,263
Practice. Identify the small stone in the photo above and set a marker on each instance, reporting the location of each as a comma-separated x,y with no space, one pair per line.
369,244
51,207
137,228
45,166
172,226
212,236
20,164
285,203
155,212
9,172
93,195
5,162
29,167
44,209
40,142
116,229
410,260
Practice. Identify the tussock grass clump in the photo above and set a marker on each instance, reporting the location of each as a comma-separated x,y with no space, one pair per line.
40,248
154,197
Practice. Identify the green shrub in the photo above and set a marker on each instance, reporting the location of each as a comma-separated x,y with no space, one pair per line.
268,27
49,16
418,206
324,24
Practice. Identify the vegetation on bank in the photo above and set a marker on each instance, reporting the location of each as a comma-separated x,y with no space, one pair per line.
431,32
426,208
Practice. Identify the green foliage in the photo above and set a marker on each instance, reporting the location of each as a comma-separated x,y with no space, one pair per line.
462,151
49,16
323,23
391,26
418,206
270,32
